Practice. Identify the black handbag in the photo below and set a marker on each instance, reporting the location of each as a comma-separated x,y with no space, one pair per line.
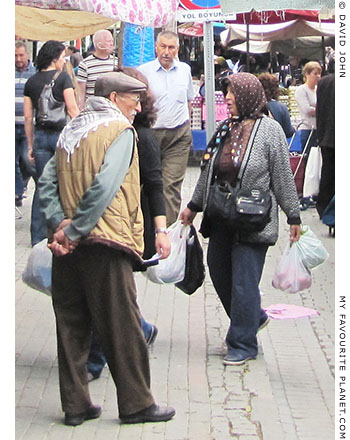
51,113
194,269
253,208
245,210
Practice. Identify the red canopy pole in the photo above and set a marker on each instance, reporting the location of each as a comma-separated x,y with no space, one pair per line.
78,46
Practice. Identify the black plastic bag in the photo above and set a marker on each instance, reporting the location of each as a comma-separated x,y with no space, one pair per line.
194,270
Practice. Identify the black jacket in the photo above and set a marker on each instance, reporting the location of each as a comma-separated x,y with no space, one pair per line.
152,198
325,111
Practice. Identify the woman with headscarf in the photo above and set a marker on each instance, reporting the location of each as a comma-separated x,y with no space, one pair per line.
236,258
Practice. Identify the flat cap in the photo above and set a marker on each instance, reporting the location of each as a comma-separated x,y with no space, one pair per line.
118,82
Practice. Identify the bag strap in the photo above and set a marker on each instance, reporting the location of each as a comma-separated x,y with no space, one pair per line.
54,78
248,150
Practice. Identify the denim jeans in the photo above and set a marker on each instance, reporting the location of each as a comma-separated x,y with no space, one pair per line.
97,360
44,148
235,269
304,136
22,163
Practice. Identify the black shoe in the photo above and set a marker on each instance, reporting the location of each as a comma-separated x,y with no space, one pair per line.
92,377
92,413
303,205
264,323
234,360
152,337
154,413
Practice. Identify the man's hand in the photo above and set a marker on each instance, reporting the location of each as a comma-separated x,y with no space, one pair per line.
63,223
61,244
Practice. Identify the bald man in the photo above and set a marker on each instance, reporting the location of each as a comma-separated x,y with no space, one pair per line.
101,61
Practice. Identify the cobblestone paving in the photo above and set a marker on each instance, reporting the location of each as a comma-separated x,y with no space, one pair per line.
285,394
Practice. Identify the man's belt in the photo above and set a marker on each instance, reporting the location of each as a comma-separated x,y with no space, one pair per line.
174,128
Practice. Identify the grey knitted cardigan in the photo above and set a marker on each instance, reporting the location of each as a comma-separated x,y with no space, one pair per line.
267,167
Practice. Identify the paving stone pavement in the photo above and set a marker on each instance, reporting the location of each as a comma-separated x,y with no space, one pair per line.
287,393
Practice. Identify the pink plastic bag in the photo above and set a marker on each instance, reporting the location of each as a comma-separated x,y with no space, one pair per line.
291,275
289,311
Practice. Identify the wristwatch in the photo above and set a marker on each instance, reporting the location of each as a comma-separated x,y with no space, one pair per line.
164,230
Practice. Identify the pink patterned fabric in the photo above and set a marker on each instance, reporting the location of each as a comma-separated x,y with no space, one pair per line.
289,311
140,12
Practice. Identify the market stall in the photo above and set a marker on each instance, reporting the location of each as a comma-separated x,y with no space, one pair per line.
62,20
276,35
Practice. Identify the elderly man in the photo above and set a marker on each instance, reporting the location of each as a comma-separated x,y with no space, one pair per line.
24,69
101,61
171,82
97,243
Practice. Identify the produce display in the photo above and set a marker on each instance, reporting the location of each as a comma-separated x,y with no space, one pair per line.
293,107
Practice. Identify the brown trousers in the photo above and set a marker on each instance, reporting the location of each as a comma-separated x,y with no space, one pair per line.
96,284
175,146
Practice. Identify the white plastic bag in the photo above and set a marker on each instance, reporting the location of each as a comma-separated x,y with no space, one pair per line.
291,275
171,269
312,251
37,273
313,173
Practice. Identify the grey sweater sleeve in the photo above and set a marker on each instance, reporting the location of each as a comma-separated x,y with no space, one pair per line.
282,177
49,198
197,200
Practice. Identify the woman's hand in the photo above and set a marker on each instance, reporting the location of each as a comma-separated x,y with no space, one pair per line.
187,216
31,155
163,245
295,232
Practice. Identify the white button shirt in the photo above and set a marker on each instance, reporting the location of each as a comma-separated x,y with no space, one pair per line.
172,90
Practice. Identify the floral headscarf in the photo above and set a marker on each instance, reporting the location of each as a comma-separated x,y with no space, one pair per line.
249,94
233,135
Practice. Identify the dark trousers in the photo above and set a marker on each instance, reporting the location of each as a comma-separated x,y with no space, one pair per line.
235,269
95,285
23,168
175,145
97,360
327,182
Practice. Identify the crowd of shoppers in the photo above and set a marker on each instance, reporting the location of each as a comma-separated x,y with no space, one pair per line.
108,183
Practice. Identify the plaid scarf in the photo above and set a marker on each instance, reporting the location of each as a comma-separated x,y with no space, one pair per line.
98,111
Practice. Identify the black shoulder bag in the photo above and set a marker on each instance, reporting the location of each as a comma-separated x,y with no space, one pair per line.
246,210
51,113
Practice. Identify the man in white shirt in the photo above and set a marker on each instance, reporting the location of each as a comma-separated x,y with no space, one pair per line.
171,82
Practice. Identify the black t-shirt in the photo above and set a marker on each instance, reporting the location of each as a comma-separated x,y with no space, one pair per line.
35,84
